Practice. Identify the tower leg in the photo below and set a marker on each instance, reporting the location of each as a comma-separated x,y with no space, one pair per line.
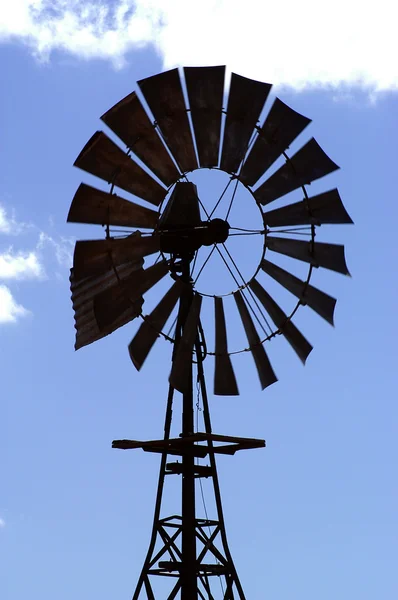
188,552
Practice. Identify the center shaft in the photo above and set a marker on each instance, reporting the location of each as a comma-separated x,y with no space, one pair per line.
188,510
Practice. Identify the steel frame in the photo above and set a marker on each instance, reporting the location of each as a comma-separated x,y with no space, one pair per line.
190,550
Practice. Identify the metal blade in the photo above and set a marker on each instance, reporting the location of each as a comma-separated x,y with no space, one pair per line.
115,301
245,103
97,256
104,159
280,129
93,206
182,363
264,369
318,254
224,376
164,96
321,209
308,164
295,338
321,303
205,86
146,336
131,124
83,292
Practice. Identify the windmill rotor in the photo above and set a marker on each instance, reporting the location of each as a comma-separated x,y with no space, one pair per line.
167,139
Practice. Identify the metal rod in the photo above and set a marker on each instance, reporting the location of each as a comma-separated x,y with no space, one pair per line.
188,509
158,503
216,485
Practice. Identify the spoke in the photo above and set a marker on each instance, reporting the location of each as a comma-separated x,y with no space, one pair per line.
260,310
248,230
228,267
205,263
232,200
302,230
200,201
194,262
221,197
241,288
248,233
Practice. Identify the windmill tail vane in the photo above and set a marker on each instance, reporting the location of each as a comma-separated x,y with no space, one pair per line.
177,124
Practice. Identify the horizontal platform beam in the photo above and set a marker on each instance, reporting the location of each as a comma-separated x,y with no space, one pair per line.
196,444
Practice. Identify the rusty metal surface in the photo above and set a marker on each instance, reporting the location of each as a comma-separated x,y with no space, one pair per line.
319,301
104,159
245,103
264,369
308,164
93,257
205,86
146,336
321,209
164,96
132,125
93,206
181,368
318,254
280,129
114,301
83,292
224,377
295,338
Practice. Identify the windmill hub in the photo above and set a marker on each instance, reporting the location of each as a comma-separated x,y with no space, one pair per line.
182,240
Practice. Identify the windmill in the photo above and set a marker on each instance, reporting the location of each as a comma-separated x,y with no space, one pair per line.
177,124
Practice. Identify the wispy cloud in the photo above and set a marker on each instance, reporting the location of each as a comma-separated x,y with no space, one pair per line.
2,523
62,247
10,312
50,253
9,225
299,44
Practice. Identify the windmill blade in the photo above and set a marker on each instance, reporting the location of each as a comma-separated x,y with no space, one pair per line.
92,257
308,164
83,292
104,159
131,124
96,207
146,336
319,301
245,103
280,129
205,86
321,209
181,370
264,369
110,304
164,96
318,254
224,376
295,338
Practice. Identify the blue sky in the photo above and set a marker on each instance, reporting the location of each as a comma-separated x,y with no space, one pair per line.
314,514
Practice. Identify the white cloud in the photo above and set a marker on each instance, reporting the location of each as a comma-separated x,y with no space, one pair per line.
20,265
9,225
10,312
300,44
2,523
